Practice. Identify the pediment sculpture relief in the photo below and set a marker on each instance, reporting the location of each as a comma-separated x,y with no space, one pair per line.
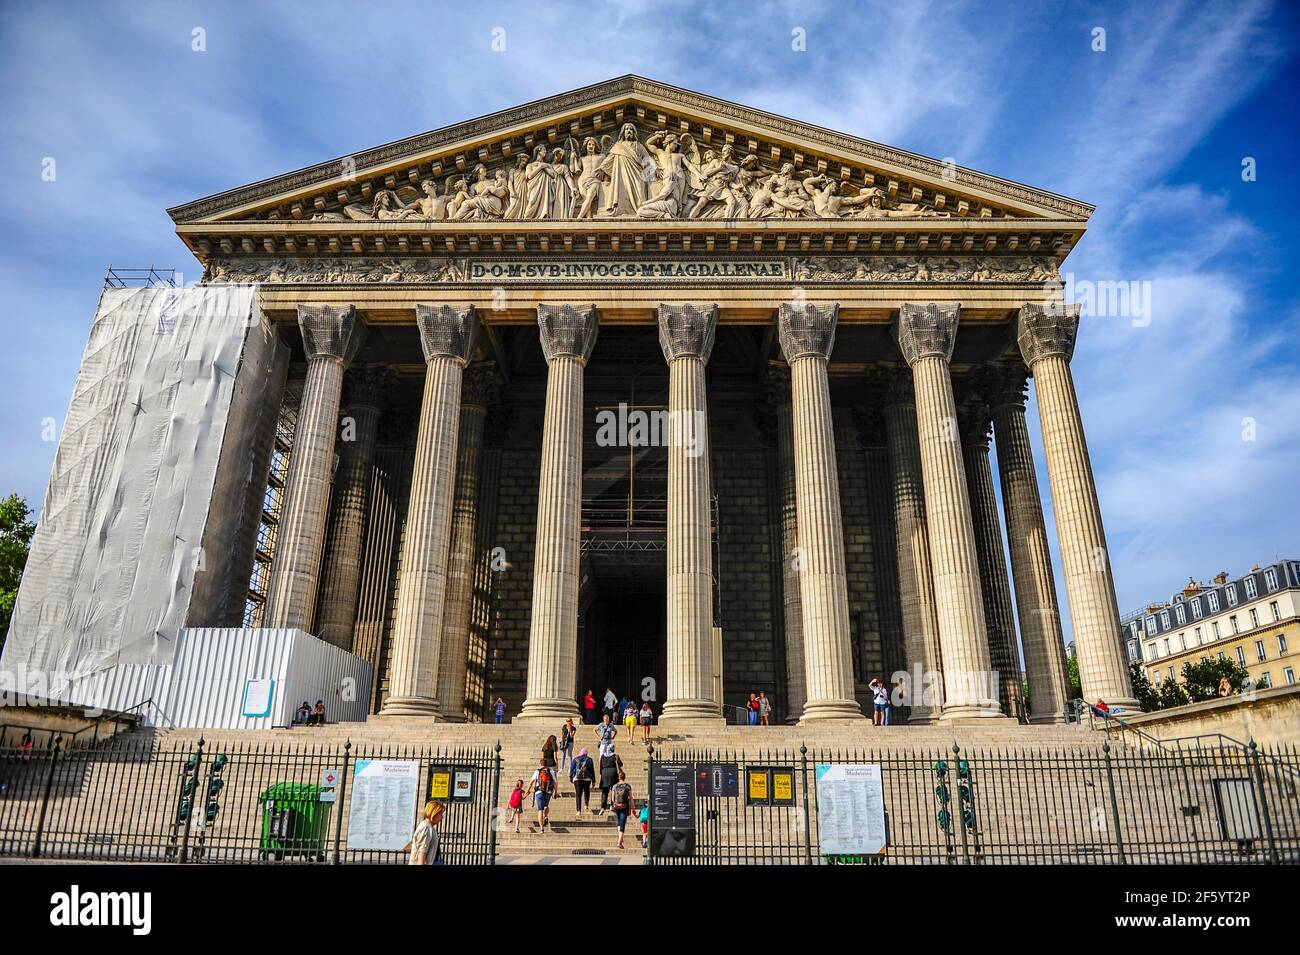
667,176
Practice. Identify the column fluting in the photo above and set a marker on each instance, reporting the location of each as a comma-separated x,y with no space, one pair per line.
1046,336
686,338
807,335
926,334
568,334
778,384
449,336
331,336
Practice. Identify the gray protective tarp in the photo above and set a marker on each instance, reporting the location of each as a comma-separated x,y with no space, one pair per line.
129,514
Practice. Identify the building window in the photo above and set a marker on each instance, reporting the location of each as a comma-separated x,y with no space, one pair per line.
1151,625
1281,643
1164,619
1265,681
1236,627
1180,614
1171,673
1222,655
1270,578
1159,678
1241,655
1251,589
1167,650
1254,618
1153,653
1277,611
1213,599
1183,638
1232,595
1289,675
1259,651
1214,628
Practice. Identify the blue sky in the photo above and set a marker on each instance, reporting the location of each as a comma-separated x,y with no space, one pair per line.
1152,130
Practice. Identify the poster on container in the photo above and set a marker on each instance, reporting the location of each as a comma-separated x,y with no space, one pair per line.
851,809
384,796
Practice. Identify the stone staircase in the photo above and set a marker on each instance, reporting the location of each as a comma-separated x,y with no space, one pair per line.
595,835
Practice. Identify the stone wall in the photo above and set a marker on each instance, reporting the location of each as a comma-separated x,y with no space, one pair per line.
1271,718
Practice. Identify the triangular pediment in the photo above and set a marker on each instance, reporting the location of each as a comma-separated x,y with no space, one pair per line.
644,151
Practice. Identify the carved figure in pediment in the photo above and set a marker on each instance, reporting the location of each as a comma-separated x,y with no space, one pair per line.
716,197
458,194
628,169
430,204
540,181
488,196
678,161
827,202
586,168
518,179
564,188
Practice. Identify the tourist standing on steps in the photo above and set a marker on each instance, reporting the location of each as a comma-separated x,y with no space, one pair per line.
582,773
589,709
542,787
629,715
610,767
623,801
611,704
880,702
606,732
567,734
751,711
764,709
647,718
551,754
499,710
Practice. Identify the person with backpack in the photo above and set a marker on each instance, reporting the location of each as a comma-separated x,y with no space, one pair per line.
516,803
567,734
582,773
542,788
623,801
610,766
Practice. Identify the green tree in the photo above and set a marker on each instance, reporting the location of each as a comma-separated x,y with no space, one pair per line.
1172,694
1201,679
1072,674
1143,691
15,543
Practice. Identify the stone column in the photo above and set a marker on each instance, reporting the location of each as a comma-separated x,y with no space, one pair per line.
999,619
1031,561
336,614
807,334
926,334
1046,337
686,337
568,333
912,544
331,335
448,335
778,384
481,389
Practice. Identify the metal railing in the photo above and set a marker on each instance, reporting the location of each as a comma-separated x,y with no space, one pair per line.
131,800
972,806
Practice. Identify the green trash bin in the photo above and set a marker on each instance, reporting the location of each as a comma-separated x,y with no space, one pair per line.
294,821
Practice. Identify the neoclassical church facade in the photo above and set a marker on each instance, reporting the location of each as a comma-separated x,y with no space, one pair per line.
631,387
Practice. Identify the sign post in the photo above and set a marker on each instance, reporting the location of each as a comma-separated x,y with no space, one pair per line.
851,810
384,802
672,810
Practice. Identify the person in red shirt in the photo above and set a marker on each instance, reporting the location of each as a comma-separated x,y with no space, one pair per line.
589,708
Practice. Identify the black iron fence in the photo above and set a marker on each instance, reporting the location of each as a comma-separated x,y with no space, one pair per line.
1111,804
128,800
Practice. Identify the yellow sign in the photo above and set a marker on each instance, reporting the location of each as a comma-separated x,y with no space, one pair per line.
758,786
440,784
782,787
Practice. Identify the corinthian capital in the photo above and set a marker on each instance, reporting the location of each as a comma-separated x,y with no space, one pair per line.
1047,330
686,331
567,330
927,331
331,331
368,386
481,386
448,330
807,330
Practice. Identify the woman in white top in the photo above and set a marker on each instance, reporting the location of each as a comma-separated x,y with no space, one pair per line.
424,841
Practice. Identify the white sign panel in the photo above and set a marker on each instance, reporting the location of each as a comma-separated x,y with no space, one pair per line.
851,809
257,697
384,797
